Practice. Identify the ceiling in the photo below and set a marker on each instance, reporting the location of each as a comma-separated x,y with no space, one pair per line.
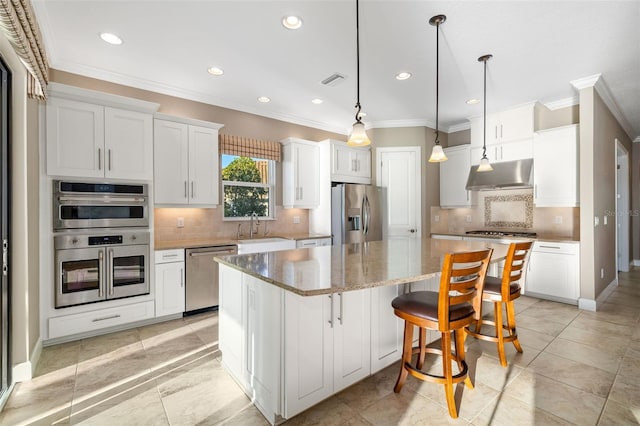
539,47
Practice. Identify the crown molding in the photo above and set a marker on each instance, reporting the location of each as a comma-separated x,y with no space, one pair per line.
597,82
459,127
403,123
189,94
562,103
637,139
65,91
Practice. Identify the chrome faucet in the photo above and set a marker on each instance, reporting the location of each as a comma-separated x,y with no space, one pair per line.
253,214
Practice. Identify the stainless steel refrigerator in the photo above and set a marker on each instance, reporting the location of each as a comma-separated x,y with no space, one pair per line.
356,213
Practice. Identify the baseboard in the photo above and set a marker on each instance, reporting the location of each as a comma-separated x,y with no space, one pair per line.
592,305
24,371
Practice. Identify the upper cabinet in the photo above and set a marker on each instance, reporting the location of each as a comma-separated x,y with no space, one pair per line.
555,167
95,135
186,162
509,134
453,177
300,173
350,164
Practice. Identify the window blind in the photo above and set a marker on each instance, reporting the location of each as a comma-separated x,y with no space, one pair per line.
248,147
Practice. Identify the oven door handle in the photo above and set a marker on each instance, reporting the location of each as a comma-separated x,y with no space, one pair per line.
101,274
102,200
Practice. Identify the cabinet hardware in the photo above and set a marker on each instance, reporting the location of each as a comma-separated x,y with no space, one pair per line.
110,271
106,318
331,314
99,159
109,152
496,128
192,190
552,247
501,131
185,189
100,271
168,256
181,277
340,315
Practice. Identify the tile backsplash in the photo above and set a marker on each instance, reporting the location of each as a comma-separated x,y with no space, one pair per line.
201,223
507,210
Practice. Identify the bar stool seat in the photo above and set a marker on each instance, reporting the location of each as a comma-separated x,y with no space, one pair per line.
503,291
456,305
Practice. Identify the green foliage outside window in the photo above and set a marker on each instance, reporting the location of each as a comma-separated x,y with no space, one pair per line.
240,199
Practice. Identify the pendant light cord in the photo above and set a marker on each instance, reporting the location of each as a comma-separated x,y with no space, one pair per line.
484,140
358,63
437,79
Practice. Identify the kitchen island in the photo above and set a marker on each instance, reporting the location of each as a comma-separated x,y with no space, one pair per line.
298,326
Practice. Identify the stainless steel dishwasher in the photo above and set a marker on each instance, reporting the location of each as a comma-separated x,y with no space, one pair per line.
201,284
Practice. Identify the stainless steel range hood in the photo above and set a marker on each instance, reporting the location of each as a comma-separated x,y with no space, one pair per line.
505,175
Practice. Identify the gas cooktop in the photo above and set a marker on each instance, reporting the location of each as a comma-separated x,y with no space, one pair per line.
503,233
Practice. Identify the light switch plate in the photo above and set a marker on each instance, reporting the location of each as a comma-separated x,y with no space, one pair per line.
180,222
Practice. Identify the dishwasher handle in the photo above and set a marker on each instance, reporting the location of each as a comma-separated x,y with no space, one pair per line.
213,252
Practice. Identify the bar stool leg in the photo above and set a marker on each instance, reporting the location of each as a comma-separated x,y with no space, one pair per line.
406,356
422,343
460,337
511,322
497,306
448,374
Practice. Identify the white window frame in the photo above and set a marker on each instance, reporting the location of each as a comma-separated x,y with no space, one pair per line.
270,186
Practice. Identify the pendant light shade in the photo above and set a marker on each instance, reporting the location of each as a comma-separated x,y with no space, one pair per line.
485,166
437,154
358,135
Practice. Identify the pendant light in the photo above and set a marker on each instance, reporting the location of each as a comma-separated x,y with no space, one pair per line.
484,161
437,154
358,135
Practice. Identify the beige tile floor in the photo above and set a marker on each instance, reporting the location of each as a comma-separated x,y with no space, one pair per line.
578,368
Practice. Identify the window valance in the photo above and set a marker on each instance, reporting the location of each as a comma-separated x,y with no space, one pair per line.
248,147
18,23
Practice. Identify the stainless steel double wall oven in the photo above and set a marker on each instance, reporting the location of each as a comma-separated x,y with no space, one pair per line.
101,241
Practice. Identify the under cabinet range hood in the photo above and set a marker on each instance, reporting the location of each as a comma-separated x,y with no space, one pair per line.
505,175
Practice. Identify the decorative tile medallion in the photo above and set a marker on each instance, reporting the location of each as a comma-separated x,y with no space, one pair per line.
509,211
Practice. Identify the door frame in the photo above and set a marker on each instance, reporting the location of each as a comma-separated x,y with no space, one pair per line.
417,150
622,206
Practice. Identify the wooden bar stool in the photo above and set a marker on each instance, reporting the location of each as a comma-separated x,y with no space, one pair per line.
504,291
457,304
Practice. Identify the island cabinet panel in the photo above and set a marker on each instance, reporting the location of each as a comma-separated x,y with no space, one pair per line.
231,319
386,328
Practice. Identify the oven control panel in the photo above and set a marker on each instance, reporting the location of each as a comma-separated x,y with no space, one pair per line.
105,240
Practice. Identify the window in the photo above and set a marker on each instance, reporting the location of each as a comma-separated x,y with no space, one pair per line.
248,186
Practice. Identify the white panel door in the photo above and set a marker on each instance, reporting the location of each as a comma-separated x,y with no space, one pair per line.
386,328
171,162
128,142
203,166
169,288
399,174
352,343
308,351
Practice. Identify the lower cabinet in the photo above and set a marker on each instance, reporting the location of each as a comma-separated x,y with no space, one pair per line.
387,330
554,271
313,242
170,296
327,346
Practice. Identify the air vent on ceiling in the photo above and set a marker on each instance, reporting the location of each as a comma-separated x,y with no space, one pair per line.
333,79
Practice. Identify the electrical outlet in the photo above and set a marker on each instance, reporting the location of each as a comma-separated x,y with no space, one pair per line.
557,219
469,218
601,272
605,219
296,219
596,221
436,218
180,223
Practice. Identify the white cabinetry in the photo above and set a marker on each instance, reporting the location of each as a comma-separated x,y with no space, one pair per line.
350,164
453,177
186,170
313,242
91,140
509,134
300,173
555,167
169,282
328,346
386,328
554,271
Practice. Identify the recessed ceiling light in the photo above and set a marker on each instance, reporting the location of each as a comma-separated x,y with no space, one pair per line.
215,71
292,22
473,101
317,101
403,75
111,38
264,99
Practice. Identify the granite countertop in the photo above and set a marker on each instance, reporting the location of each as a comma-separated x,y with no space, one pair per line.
540,237
206,242
335,269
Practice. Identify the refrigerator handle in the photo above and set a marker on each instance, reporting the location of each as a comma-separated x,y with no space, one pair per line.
366,216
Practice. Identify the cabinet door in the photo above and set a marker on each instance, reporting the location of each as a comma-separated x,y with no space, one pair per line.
75,138
555,170
516,123
231,317
169,288
553,274
308,351
128,142
386,328
306,173
352,338
515,150
341,163
362,163
453,178
203,166
171,162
